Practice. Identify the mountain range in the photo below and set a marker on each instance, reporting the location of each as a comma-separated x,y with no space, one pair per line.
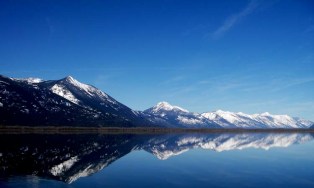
68,102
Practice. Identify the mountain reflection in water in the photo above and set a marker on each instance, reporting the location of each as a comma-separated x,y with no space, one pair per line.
69,157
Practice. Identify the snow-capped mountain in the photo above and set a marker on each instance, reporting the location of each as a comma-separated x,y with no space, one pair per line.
165,113
61,102
228,119
29,80
68,102
90,97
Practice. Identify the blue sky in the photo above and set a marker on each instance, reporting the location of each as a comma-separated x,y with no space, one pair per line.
249,56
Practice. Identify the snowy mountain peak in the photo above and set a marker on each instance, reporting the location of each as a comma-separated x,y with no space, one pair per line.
177,116
92,102
220,111
90,90
164,105
265,120
223,112
70,79
209,115
29,80
265,114
167,107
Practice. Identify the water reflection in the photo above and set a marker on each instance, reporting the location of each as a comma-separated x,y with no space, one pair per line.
69,157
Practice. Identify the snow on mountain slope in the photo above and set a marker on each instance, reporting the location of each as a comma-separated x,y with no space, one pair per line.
29,80
33,104
182,117
61,102
177,116
90,97
63,92
68,87
165,106
232,120
88,89
32,96
265,120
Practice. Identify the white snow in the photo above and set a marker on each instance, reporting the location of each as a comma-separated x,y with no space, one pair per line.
135,112
64,166
189,120
167,153
90,90
210,115
189,140
244,141
280,121
29,80
227,142
264,120
229,116
63,92
167,107
4,82
90,169
228,119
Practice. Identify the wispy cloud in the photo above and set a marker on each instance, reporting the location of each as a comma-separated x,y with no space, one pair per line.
284,84
235,18
277,84
172,80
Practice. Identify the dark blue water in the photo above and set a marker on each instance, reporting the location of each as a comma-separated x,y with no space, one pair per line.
170,160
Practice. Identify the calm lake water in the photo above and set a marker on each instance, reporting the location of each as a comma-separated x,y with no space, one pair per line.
168,160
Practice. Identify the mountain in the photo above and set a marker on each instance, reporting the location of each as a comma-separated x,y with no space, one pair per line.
68,102
61,102
165,113
70,157
228,119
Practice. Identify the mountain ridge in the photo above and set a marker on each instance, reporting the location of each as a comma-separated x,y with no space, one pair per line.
33,101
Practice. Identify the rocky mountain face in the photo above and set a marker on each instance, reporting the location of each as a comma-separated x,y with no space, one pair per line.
64,102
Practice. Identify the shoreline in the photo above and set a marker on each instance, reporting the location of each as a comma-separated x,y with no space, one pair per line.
137,130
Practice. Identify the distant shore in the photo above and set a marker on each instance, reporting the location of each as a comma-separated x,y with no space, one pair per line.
136,130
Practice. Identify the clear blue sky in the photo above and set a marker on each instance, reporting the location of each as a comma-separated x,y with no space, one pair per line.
249,56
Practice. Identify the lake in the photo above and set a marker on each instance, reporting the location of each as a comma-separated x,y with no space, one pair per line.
157,160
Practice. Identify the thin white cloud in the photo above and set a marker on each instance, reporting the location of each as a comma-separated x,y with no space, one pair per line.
234,19
287,83
173,80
